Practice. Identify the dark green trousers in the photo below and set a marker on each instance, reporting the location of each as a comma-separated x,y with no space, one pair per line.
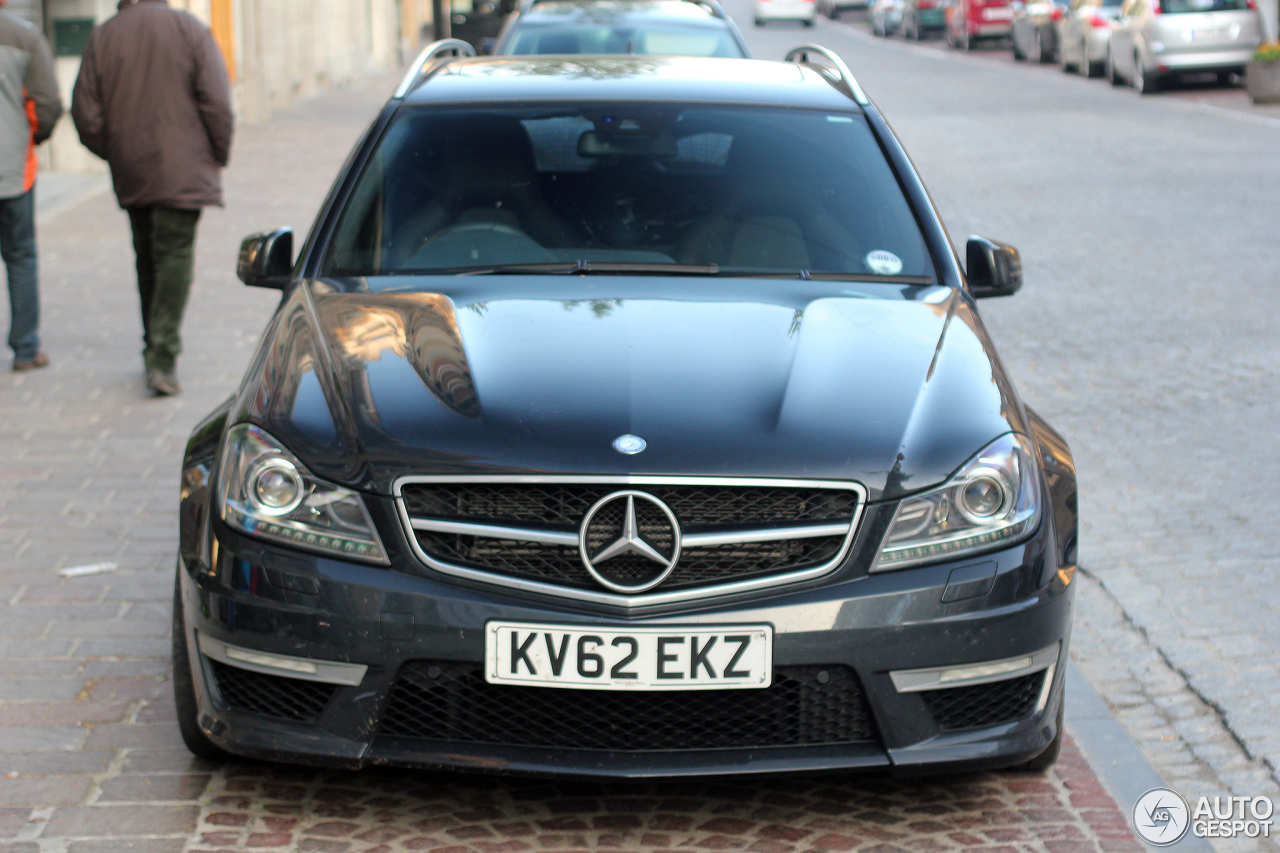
164,240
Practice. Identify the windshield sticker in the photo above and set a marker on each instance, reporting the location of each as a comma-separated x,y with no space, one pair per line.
841,119
881,262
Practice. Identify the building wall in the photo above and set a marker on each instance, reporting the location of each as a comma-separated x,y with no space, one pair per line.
277,51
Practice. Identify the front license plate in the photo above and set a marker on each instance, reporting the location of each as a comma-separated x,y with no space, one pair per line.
718,658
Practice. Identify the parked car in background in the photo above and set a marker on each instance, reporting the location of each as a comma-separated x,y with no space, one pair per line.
1033,30
833,8
1084,34
642,27
922,17
968,21
885,16
1157,39
785,10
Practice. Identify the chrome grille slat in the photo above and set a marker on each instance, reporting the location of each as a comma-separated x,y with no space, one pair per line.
737,533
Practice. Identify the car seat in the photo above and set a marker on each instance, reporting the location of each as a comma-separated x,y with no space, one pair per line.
485,173
772,217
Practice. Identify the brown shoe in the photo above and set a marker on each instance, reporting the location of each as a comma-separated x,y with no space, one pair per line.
41,360
163,382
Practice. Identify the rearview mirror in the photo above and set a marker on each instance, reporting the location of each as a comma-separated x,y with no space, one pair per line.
992,268
266,259
595,144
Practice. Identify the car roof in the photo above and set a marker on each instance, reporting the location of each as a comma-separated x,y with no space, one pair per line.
678,79
575,10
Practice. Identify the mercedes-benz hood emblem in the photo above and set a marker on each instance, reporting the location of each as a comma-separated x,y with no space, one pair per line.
629,444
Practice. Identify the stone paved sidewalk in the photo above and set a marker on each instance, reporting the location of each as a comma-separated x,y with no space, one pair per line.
1066,811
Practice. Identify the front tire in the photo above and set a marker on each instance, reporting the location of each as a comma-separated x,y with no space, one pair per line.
1112,74
1146,82
184,689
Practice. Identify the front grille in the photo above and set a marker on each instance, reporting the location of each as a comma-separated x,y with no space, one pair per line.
984,704
565,505
562,565
561,508
805,706
272,695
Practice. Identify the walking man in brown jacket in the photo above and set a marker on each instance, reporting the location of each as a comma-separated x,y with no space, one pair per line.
153,100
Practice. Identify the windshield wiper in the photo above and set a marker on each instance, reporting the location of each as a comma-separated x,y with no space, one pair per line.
624,268
807,275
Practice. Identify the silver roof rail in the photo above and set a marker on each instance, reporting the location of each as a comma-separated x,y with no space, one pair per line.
450,47
801,54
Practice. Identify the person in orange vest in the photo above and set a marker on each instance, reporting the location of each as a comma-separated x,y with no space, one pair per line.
29,108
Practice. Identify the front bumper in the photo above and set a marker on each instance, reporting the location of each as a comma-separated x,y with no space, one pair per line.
257,597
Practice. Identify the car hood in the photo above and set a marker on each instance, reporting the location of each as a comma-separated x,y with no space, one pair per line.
720,378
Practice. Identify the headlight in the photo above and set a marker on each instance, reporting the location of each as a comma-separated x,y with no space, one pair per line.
992,501
264,491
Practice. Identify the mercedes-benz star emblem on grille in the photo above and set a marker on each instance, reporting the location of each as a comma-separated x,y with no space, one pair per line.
629,444
629,541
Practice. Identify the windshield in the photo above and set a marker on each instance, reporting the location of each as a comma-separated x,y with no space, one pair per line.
713,189
648,39
1177,7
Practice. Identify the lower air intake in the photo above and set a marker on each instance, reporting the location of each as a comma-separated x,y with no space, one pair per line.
984,705
272,695
805,706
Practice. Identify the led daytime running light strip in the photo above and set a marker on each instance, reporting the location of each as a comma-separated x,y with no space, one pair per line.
356,547
893,556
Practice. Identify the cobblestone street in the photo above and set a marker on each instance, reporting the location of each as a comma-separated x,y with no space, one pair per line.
1143,334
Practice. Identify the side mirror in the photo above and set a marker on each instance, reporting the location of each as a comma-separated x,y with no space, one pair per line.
266,259
992,268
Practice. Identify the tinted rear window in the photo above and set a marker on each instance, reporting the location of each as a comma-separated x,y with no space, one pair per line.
643,39
1177,7
747,189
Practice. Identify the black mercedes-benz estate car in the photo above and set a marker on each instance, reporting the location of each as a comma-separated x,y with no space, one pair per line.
626,416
